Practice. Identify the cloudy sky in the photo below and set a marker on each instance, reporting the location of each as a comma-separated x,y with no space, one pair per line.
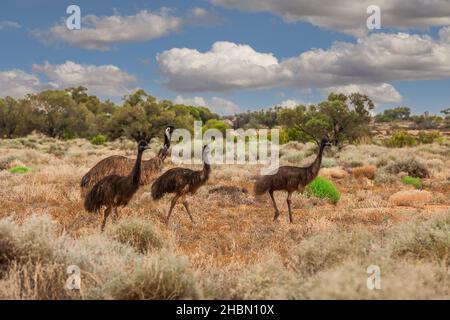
231,55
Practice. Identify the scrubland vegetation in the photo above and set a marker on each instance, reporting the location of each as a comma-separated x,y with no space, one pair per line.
234,251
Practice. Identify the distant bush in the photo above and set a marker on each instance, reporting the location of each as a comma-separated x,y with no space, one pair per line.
412,181
69,135
323,188
428,136
411,166
98,140
19,169
400,139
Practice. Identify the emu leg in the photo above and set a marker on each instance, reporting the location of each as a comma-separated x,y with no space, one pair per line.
186,206
115,215
277,213
288,200
105,216
172,204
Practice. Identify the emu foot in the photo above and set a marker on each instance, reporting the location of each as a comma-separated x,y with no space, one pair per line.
277,214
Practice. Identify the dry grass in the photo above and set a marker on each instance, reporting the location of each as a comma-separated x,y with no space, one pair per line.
411,198
367,171
235,250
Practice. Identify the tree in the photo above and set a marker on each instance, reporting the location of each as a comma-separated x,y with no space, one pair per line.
14,118
342,118
216,124
446,113
399,113
55,113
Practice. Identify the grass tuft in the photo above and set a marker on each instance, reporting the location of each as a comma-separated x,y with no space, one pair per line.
137,233
416,182
323,188
19,169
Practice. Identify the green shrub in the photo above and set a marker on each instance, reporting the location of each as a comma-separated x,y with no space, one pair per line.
400,139
412,181
323,188
428,136
69,135
98,140
19,169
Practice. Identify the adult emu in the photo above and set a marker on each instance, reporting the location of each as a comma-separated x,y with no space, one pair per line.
290,178
114,191
120,165
181,181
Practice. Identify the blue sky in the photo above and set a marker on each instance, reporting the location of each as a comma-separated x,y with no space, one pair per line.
231,55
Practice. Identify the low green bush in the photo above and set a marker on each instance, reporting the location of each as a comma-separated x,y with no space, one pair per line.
323,188
412,181
19,169
400,139
98,140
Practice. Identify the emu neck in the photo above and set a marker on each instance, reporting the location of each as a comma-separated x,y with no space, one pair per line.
136,173
314,168
206,170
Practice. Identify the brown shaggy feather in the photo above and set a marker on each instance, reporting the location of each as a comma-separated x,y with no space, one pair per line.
114,191
121,166
181,181
290,179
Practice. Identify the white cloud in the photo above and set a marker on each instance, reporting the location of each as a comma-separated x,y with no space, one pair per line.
106,80
6,24
99,33
369,65
383,92
17,83
215,104
350,16
289,103
201,17
444,35
225,67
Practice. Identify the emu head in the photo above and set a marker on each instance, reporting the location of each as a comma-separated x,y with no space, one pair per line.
141,136
164,151
168,135
143,145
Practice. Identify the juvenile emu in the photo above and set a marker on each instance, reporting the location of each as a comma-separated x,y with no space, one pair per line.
181,181
120,165
290,178
114,191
